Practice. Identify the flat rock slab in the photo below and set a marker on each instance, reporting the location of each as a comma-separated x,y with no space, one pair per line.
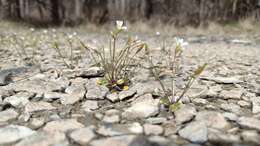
251,123
38,107
13,133
223,80
115,141
44,139
62,125
195,132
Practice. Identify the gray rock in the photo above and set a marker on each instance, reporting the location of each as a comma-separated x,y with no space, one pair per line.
62,125
91,72
7,115
13,133
111,118
231,107
44,139
185,113
95,91
217,136
231,94
75,93
83,136
90,105
213,119
195,132
223,80
19,100
150,129
248,122
255,105
24,117
126,94
5,78
251,136
113,97
199,101
115,141
135,128
37,86
156,120
230,116
50,96
36,123
31,107
243,103
144,108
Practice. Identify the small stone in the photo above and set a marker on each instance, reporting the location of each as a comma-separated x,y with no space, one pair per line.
62,125
82,136
75,92
195,132
213,119
7,115
5,78
95,91
36,123
145,108
223,80
113,97
251,136
43,138
250,123
243,103
19,100
199,101
157,120
24,117
91,72
13,133
185,113
111,119
220,137
125,140
255,105
232,94
231,107
230,116
50,96
135,128
150,129
90,105
126,94
38,106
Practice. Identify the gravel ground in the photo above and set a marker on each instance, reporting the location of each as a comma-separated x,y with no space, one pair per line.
55,105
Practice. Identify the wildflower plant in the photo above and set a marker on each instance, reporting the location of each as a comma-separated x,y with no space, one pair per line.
118,62
170,97
68,57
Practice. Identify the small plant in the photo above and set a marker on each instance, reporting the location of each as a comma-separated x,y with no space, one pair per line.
170,97
117,62
68,57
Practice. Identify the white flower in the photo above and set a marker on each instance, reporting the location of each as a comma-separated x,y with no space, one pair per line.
70,36
75,33
32,29
53,30
45,31
158,33
180,42
119,25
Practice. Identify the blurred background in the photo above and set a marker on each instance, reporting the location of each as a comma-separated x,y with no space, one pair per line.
177,12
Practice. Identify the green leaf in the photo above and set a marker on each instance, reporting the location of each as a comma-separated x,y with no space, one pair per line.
174,107
165,101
